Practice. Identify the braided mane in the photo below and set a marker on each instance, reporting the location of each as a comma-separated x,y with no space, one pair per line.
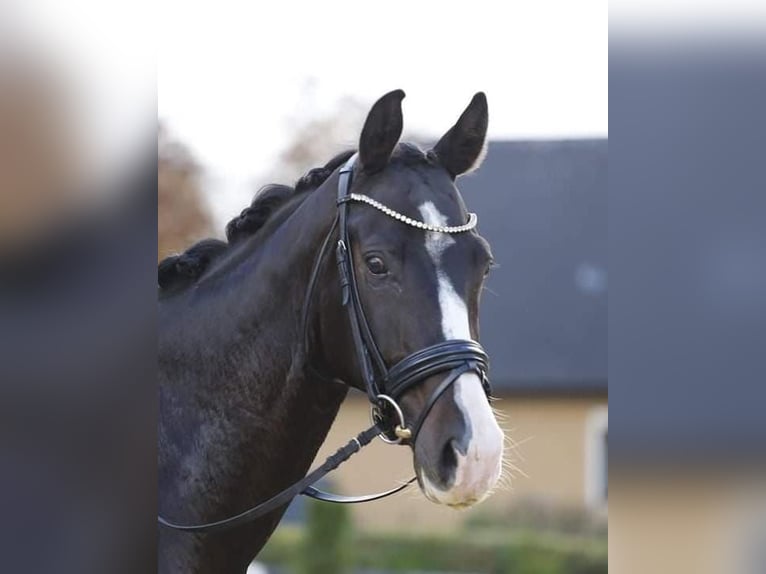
178,272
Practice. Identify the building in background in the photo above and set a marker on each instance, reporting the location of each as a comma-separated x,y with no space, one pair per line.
687,321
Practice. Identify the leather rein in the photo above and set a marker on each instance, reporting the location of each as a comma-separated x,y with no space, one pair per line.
384,386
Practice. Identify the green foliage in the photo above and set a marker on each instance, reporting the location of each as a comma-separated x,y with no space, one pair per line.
326,547
495,551
540,515
517,554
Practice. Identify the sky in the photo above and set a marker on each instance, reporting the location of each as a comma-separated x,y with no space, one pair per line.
230,75
226,77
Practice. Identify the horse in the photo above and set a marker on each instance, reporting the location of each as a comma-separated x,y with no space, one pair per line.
257,350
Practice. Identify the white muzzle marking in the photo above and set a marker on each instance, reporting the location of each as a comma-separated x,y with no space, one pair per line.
479,469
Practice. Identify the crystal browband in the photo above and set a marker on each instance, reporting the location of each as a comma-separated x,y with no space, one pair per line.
472,219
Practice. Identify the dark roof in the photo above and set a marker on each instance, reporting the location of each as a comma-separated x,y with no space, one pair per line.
543,207
687,319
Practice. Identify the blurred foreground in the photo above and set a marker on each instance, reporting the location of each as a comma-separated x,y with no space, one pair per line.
687,307
77,293
534,542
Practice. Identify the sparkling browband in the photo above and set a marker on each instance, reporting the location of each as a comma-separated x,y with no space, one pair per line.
472,219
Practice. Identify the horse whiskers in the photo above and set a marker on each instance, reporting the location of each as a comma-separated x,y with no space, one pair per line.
509,471
513,443
511,456
488,290
500,416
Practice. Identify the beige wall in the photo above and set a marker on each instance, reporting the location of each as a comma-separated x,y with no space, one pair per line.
549,438
699,521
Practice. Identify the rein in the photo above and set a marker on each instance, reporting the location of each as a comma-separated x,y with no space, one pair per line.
384,386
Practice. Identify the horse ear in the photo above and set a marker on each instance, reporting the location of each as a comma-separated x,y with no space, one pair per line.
381,131
463,147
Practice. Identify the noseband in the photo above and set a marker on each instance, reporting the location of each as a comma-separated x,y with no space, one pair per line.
385,386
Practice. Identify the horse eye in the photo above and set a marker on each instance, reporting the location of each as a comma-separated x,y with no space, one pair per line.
376,265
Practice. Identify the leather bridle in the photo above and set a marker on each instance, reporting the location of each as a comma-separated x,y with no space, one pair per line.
384,386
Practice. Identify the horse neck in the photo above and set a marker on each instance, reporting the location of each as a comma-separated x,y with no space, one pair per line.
244,318
240,420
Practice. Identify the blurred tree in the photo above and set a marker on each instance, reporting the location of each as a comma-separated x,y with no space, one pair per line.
317,137
183,216
327,546
39,152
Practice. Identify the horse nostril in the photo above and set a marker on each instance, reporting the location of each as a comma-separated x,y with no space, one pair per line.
447,462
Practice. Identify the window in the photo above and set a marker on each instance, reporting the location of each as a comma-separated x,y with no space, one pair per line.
748,536
596,468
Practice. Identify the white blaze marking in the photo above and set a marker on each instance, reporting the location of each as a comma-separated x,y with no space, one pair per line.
477,471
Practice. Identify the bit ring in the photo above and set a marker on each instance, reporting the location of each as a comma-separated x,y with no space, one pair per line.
400,430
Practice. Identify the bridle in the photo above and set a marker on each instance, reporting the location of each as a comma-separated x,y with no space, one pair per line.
384,386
